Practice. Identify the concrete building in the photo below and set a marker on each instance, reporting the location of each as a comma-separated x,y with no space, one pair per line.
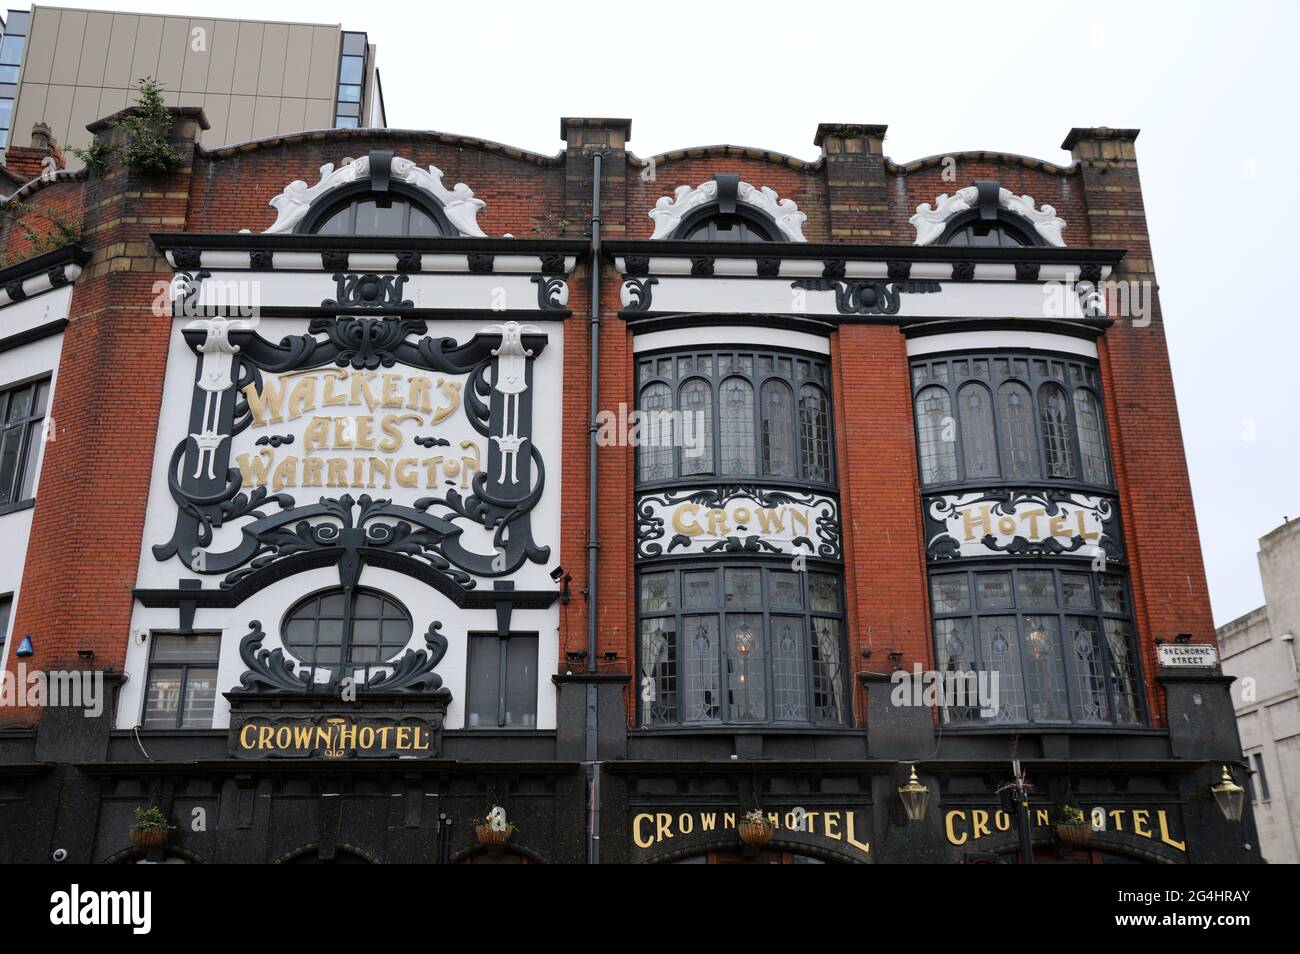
67,67
1259,649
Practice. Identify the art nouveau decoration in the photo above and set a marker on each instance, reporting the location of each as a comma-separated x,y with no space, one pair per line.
737,520
1022,523
458,204
669,211
931,222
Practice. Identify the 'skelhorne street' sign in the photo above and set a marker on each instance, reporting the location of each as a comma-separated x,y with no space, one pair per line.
1184,656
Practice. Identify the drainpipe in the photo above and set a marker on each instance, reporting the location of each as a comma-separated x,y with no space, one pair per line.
593,544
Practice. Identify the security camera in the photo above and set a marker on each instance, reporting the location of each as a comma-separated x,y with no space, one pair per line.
60,854
557,574
1288,637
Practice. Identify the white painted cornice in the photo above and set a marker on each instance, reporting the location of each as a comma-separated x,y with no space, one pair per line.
669,211
931,222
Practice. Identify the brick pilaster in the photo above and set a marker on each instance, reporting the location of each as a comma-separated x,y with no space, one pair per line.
856,186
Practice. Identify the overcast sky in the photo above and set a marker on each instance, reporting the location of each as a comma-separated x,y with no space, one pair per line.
1213,90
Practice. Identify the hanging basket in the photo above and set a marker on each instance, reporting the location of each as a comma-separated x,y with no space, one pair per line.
1075,834
487,835
756,834
147,838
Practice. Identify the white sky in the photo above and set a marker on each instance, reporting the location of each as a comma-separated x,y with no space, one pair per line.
1213,91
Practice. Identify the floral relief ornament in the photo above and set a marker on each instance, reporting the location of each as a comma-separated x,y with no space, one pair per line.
669,211
458,203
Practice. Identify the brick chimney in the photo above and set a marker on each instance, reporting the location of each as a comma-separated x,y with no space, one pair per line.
30,161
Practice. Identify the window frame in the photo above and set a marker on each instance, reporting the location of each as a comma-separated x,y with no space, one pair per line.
503,676
719,611
757,381
353,194
1034,384
214,664
1007,223
1013,568
756,227
26,425
344,667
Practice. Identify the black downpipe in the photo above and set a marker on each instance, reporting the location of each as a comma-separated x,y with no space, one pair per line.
593,543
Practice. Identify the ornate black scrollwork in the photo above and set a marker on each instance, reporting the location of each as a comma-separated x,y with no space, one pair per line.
768,267
414,671
58,276
273,440
640,292
367,342
899,271
187,257
369,290
638,264
1027,271
261,259
963,271
552,263
550,292
334,261
650,525
268,669
15,291
409,261
833,268
867,297
942,545
481,262
702,265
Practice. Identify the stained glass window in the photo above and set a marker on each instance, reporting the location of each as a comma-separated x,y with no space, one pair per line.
1058,442
936,431
778,429
1092,449
979,447
1017,431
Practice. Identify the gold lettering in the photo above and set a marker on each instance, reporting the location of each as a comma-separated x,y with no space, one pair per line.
365,432
1164,831
419,396
286,474
338,472
330,398
663,826
770,520
392,393
361,389
1001,820
254,471
1057,526
267,407
850,837
980,823
451,390
641,839
392,433
468,462
313,471
685,823
949,823
832,825
302,398
246,735
1140,818
796,517
383,466
718,525
1032,516
680,523
1118,816
316,436
1079,517
968,525
403,472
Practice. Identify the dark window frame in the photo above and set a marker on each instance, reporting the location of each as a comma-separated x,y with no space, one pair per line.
353,195
345,666
1007,224
681,612
753,226
32,423
1080,374
213,663
974,613
757,380
474,639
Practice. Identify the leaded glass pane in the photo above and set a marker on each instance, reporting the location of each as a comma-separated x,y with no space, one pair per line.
1076,591
1017,433
658,672
1123,674
824,592
778,429
950,593
999,650
746,668
955,652
785,590
978,438
936,437
1092,449
789,680
658,592
1083,646
1044,670
700,589
696,405
993,591
737,413
743,588
702,700
656,458
814,433
1037,589
827,670
1058,444
1114,595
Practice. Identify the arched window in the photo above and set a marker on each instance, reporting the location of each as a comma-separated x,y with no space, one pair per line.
1006,231
695,401
778,429
814,433
656,454
1058,442
737,407
359,211
715,226
341,631
1016,429
1092,449
979,446
938,449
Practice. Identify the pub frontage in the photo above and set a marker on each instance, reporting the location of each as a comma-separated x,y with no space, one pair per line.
383,496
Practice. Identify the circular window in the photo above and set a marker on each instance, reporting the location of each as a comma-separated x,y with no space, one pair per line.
329,629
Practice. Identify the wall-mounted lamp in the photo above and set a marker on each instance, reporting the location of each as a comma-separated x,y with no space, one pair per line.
1230,796
915,796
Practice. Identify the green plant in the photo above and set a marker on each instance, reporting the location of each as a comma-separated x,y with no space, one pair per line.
95,156
150,819
756,817
146,126
62,229
1070,815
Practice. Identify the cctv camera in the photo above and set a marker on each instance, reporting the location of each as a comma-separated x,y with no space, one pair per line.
60,854
557,574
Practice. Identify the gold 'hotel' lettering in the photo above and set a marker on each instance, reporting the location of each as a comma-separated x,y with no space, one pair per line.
336,737
963,826
650,829
1033,523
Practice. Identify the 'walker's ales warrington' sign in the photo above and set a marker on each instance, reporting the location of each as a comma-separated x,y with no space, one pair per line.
737,520
1020,523
335,737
